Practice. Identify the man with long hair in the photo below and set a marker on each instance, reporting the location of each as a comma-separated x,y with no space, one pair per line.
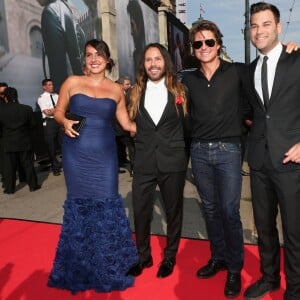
158,106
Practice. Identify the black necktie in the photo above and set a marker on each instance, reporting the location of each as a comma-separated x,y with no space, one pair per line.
264,81
53,103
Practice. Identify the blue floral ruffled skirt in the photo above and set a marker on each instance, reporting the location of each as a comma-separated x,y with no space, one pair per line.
95,249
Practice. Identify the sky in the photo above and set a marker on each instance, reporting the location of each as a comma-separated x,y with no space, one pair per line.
229,16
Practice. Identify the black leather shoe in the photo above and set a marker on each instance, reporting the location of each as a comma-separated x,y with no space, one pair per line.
260,288
138,268
8,192
211,269
232,285
166,267
37,187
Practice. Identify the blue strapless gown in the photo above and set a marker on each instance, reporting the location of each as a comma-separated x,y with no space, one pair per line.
95,248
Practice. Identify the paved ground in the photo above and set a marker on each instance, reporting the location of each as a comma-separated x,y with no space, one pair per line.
46,205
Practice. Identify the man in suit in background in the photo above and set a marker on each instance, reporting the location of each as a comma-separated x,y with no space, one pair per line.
158,106
123,137
3,86
16,122
274,152
52,130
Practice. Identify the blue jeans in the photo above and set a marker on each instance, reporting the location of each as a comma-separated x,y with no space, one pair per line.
217,170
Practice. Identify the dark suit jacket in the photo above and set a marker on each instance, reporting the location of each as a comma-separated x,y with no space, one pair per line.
279,126
160,147
63,38
16,121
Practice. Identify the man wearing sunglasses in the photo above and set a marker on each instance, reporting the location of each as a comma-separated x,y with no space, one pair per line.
215,101
217,110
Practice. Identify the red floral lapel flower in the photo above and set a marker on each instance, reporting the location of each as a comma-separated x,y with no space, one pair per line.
179,100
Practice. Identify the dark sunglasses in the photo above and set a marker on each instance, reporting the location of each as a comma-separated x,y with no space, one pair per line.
198,44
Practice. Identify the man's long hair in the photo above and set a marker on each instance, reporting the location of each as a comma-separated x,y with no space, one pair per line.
171,81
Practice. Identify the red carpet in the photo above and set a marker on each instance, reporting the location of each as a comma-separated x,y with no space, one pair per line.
27,250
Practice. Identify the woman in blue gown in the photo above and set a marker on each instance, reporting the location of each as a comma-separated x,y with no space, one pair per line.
95,249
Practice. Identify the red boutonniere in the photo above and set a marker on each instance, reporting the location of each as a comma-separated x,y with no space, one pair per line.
179,100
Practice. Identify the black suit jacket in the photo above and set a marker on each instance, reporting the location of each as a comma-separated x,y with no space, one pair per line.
160,147
16,121
278,128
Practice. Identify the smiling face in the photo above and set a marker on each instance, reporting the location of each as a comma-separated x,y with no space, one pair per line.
154,64
264,31
94,62
206,54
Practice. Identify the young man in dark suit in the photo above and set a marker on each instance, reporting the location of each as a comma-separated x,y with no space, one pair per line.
158,106
16,122
274,152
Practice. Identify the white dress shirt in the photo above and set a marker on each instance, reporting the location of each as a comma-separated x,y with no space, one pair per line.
44,102
273,57
156,98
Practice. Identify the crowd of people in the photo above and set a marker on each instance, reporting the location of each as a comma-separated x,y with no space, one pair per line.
166,122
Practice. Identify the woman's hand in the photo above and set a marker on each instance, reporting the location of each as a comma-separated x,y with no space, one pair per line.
291,46
69,130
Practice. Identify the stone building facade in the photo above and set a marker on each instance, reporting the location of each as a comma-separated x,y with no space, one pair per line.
20,27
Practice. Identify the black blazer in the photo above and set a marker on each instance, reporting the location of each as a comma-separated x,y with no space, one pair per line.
162,147
16,121
278,128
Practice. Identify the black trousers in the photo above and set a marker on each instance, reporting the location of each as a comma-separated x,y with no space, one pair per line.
271,189
171,186
53,138
128,142
14,160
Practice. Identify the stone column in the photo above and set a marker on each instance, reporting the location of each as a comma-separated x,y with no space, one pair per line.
108,16
163,25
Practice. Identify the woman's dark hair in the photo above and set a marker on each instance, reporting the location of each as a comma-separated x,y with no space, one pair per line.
103,50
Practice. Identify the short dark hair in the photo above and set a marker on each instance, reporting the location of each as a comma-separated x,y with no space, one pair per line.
122,79
3,84
45,81
210,26
261,6
11,94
